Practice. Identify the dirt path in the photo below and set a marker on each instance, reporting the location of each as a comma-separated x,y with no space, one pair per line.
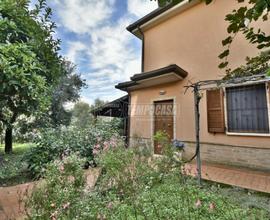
10,197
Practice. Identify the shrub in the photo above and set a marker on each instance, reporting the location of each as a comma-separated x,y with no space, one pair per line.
55,143
63,187
135,185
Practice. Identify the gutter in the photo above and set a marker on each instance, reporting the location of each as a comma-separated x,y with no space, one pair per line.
142,58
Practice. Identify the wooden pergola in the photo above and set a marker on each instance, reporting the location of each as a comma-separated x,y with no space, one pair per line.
211,84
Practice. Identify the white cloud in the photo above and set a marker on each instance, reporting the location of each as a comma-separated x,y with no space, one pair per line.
87,100
140,8
80,16
111,51
76,48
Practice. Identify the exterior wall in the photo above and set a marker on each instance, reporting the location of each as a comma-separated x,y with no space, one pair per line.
192,40
255,158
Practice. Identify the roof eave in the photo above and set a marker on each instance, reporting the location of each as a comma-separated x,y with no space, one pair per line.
171,68
159,15
138,79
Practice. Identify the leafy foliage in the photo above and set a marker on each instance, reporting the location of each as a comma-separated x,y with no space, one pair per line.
54,143
135,185
241,20
81,115
35,80
254,66
55,198
13,169
29,60
68,90
21,82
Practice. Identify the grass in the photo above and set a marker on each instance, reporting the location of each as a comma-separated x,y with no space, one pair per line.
13,170
244,197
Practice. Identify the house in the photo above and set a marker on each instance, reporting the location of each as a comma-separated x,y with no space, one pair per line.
181,44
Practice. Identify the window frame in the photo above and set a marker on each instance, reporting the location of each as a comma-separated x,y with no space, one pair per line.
226,110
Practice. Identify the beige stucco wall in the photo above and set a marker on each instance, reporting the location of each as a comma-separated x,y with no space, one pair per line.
191,40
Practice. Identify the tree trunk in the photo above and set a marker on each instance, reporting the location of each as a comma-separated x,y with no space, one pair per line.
8,140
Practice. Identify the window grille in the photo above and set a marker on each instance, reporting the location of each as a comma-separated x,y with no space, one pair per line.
247,110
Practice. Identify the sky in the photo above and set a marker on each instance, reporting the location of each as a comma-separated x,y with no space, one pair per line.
94,37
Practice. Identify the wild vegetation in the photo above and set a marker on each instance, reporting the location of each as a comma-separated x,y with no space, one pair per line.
13,167
34,77
132,185
56,143
36,83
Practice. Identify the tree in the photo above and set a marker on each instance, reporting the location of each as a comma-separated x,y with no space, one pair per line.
98,103
240,21
30,66
23,90
68,90
81,115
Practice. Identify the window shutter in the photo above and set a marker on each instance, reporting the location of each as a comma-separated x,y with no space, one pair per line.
215,111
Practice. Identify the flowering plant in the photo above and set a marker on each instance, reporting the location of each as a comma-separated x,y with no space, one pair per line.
179,145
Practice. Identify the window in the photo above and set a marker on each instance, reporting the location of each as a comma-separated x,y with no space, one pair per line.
247,110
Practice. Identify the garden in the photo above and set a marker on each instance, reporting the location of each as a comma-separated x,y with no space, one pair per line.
133,184
45,144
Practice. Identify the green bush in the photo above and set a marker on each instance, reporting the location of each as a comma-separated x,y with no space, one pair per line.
55,143
136,185
63,187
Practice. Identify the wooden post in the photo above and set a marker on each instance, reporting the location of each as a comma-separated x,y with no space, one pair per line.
197,99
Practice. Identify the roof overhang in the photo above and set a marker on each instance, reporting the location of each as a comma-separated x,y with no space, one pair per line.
168,74
117,108
159,15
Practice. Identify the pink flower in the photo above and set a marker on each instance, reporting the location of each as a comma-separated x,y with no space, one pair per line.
195,172
212,206
198,203
65,206
110,205
53,215
97,146
106,148
188,170
61,168
95,151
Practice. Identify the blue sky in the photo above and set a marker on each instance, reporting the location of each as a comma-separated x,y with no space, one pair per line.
94,37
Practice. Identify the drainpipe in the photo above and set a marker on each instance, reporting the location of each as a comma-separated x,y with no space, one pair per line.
142,62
